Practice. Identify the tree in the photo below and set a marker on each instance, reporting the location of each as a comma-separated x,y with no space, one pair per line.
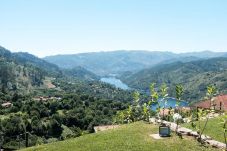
146,112
135,109
211,91
177,116
136,98
129,116
154,96
55,128
164,96
179,93
53,107
224,123
120,117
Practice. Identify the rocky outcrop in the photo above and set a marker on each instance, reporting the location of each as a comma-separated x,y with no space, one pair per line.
216,144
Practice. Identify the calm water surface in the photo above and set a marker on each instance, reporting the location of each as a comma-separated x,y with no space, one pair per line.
116,82
171,102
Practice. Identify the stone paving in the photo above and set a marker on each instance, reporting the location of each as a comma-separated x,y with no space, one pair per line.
189,132
156,136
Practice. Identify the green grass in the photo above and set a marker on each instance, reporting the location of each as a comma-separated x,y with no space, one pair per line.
213,129
132,137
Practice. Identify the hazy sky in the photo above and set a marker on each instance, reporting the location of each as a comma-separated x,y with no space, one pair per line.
47,27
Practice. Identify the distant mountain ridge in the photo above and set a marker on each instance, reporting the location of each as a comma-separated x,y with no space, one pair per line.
119,62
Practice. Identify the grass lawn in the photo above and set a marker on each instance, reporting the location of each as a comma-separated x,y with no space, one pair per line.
213,129
132,137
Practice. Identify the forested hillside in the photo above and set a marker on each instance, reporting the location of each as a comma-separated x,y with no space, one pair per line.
194,76
28,59
81,73
49,104
18,76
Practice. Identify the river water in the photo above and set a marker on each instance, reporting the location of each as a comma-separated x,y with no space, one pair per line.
116,82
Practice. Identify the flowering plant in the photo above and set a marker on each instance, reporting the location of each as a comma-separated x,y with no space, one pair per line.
177,117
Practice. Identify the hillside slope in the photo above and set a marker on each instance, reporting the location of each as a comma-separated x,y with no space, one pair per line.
25,70
51,105
80,73
132,137
17,74
194,76
118,62
22,72
29,59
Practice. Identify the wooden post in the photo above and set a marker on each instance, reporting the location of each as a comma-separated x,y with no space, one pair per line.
1,143
18,139
26,139
220,106
197,113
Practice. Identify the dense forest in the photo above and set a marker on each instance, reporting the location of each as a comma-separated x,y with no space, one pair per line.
68,115
43,103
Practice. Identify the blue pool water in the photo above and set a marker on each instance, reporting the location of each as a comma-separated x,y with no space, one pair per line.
171,102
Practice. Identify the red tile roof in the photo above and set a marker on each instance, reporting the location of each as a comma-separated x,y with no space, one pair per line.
218,100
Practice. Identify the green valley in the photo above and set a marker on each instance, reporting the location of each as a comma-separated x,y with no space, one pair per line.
113,75
61,106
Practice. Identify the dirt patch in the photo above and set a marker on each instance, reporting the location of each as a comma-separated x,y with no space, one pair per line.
104,128
48,84
156,136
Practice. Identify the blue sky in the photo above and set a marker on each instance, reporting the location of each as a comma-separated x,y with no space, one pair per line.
48,27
